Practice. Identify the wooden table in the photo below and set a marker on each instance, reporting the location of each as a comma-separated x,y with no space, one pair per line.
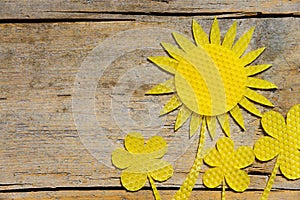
44,48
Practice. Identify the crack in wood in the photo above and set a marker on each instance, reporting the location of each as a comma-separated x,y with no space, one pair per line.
135,15
94,188
61,20
63,95
184,13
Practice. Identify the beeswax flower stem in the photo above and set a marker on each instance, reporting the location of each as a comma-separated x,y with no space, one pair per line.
186,188
267,190
223,189
155,191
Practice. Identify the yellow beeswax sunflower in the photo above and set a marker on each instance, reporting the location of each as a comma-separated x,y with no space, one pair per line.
141,161
211,78
283,141
227,164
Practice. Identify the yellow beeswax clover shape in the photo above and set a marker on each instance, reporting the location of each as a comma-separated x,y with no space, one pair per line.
211,78
227,164
140,160
283,141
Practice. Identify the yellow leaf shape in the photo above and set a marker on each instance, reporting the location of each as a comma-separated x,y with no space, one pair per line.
156,146
242,44
183,42
211,125
244,157
165,63
134,142
245,103
238,180
264,143
230,36
173,51
121,158
224,122
183,114
133,181
199,35
251,56
171,105
163,88
215,33
293,123
195,123
161,173
255,69
254,96
212,178
260,83
267,122
237,116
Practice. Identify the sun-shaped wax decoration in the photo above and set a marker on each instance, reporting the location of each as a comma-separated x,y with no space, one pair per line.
283,142
227,164
141,161
211,78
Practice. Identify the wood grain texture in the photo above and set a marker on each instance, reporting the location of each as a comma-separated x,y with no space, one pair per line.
145,194
131,9
40,147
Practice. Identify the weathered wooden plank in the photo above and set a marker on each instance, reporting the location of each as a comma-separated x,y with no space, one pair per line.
120,9
40,146
145,194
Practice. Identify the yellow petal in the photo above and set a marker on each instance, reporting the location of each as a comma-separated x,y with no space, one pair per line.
242,44
121,158
165,63
254,96
213,158
171,105
259,83
183,115
195,123
238,180
134,142
213,177
211,125
225,147
163,88
255,69
133,181
161,170
237,116
224,122
266,148
293,123
183,42
199,35
290,164
173,51
274,124
251,56
244,157
215,33
230,36
293,117
157,146
245,103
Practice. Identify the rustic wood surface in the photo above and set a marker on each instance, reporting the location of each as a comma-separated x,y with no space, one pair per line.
43,46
